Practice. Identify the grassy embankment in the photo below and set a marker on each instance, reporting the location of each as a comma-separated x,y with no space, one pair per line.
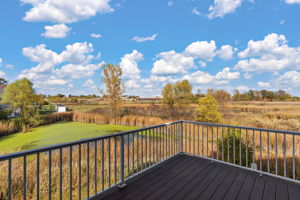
55,134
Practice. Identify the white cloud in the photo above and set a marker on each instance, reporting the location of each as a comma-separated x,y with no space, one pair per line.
56,82
201,50
226,52
195,11
171,62
290,79
223,7
62,11
270,54
263,84
153,79
292,1
132,84
40,54
96,35
47,59
225,74
89,84
242,88
1,61
144,39
247,75
129,65
59,68
78,53
199,77
56,31
78,71
222,77
272,43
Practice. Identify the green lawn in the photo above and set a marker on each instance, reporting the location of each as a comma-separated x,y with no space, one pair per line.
54,134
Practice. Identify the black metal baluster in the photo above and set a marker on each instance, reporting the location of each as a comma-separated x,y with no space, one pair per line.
247,147
38,176
115,155
109,176
142,136
132,154
95,166
228,143
233,145
137,153
222,143
79,171
60,174
217,143
24,178
49,180
71,184
102,162
207,141
240,147
88,169
9,180
128,157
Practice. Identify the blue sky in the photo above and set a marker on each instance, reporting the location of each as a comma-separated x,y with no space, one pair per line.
224,44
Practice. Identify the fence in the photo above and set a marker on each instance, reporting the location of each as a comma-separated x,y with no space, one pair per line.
84,168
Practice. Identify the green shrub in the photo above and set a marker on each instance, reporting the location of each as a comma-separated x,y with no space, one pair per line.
231,136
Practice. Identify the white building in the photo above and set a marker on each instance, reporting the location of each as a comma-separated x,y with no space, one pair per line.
61,108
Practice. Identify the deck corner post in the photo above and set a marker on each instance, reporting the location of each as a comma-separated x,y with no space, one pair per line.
181,137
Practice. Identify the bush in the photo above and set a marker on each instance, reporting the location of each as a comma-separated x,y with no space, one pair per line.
207,110
230,137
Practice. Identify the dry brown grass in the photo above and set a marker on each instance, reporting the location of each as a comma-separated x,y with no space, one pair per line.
128,120
9,126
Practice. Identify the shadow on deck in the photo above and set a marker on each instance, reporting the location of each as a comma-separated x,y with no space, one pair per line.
188,177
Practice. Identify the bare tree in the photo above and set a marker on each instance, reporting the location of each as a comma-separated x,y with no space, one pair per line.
114,88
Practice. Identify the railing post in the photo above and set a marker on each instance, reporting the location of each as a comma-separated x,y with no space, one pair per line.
122,184
181,137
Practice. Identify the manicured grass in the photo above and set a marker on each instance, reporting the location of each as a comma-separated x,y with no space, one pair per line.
55,134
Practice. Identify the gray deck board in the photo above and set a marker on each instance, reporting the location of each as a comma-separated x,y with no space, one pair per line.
187,177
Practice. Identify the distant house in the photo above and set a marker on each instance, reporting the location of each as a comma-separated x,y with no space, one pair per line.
61,108
16,113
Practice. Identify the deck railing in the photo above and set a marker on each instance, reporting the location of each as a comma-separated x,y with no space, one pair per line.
85,168
272,152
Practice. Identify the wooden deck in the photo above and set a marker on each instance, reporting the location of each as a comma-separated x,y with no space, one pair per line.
187,177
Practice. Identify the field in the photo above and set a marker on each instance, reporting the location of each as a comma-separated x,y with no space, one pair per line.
271,115
54,134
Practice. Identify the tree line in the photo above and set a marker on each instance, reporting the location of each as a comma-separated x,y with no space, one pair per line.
262,95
